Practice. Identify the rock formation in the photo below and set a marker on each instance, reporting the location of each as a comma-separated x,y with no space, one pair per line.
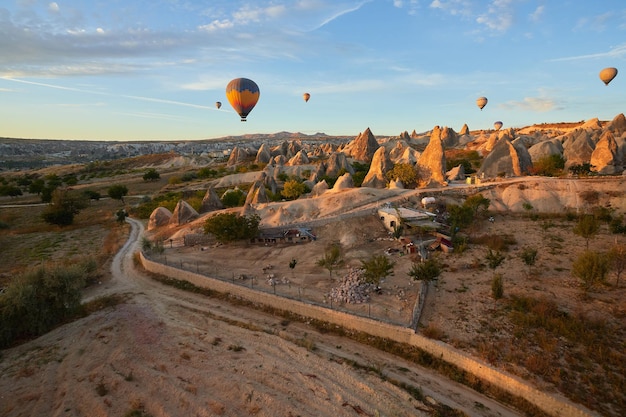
256,193
464,130
344,182
263,155
183,213
300,158
363,147
237,156
605,158
319,188
456,174
505,159
578,147
449,138
545,148
376,176
211,201
337,162
617,125
160,216
433,158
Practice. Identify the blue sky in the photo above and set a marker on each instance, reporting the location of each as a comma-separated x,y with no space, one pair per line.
153,69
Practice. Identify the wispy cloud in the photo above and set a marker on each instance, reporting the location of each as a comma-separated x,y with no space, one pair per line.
534,104
453,7
343,11
498,17
617,52
537,14
596,23
101,93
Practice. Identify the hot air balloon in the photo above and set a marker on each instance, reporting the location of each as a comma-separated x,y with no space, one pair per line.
243,95
306,96
218,104
481,102
607,75
497,125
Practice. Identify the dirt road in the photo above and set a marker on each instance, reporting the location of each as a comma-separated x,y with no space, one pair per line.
172,353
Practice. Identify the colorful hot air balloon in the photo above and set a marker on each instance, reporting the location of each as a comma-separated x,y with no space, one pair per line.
218,104
243,95
497,125
481,102
607,75
306,96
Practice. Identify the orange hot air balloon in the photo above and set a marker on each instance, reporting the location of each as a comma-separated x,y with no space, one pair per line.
243,95
218,104
306,96
607,75
497,125
481,102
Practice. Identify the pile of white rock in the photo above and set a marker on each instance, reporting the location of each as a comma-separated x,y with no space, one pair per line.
352,288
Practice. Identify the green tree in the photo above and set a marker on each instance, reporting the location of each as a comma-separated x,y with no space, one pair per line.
427,271
332,259
408,174
64,206
233,198
121,215
591,268
478,204
549,165
587,227
40,299
497,287
151,175
529,256
36,186
293,189
494,259
10,190
459,217
376,268
117,192
617,260
229,227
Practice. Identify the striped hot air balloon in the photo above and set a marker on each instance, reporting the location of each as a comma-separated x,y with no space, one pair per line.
481,102
243,95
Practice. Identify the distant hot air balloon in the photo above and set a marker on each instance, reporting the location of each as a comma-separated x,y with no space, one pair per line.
306,96
481,102
218,104
243,95
497,125
607,75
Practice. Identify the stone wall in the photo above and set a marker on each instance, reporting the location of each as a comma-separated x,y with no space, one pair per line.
554,404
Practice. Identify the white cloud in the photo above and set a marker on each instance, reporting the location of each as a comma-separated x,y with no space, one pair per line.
537,14
499,16
53,7
100,30
217,25
398,3
454,7
616,52
535,104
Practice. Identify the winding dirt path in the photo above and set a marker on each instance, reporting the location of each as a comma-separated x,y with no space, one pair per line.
173,353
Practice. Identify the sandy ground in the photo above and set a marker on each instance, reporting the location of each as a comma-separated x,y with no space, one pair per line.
170,353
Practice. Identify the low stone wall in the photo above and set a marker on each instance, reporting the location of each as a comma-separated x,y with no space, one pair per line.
554,404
